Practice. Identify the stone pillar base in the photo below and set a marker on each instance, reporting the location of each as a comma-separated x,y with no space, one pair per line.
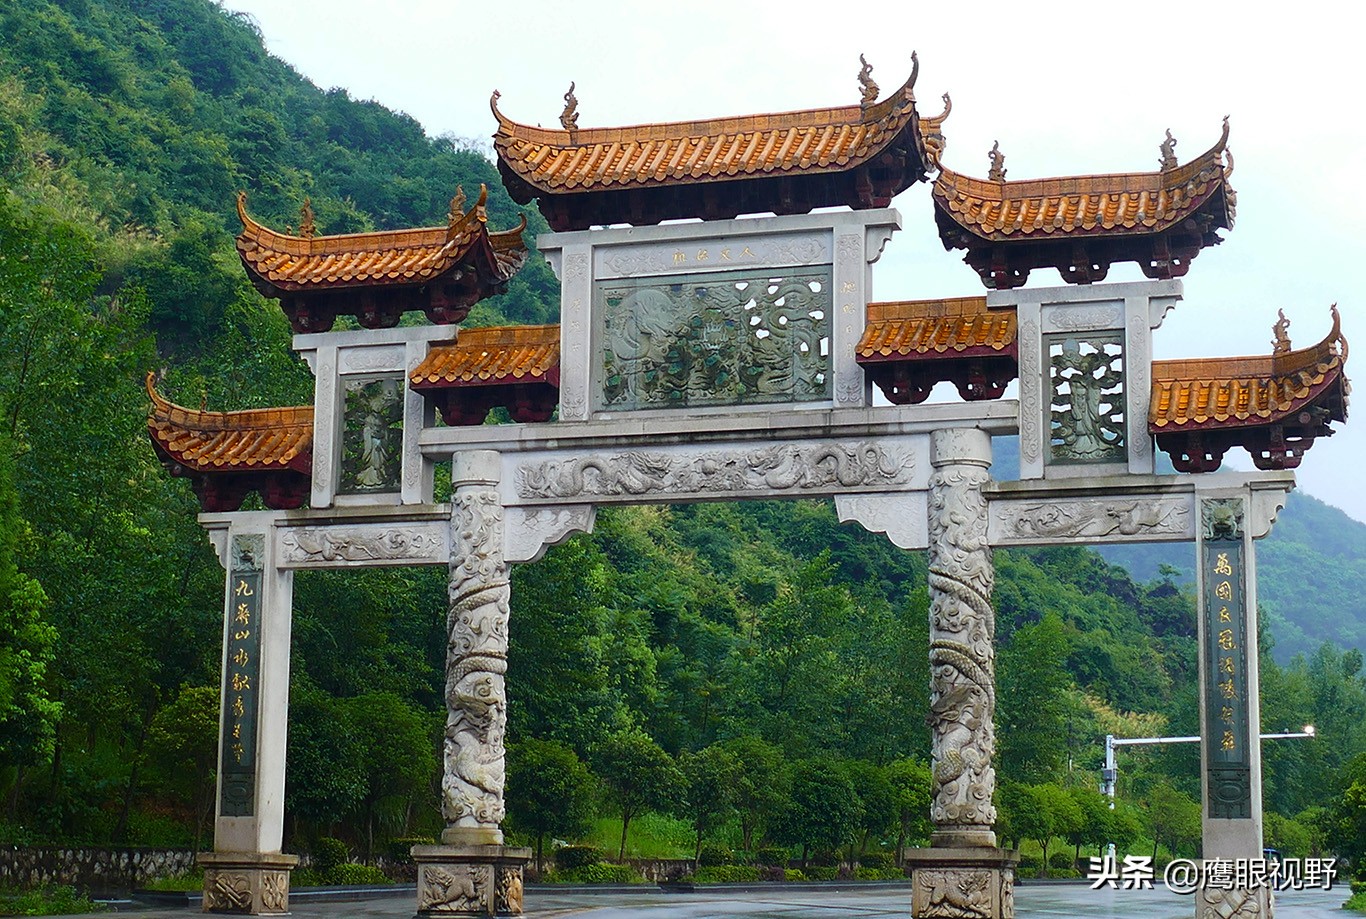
469,880
1257,903
962,883
246,883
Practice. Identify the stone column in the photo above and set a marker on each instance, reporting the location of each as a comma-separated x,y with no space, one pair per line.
472,873
1231,780
963,873
246,872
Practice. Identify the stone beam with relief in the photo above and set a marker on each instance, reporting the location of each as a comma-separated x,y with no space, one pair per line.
1124,508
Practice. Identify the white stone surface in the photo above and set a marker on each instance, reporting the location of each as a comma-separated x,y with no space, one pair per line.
532,530
900,515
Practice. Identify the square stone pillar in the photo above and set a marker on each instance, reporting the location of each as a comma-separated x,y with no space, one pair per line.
1085,355
1230,719
246,872
472,873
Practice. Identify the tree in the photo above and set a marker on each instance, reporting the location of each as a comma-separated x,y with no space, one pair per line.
762,785
638,774
549,791
1032,689
184,743
877,803
911,787
823,810
1095,826
396,762
709,778
1173,817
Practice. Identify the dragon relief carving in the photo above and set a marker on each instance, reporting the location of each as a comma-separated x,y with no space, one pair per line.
962,658
335,544
949,893
1094,519
780,467
476,661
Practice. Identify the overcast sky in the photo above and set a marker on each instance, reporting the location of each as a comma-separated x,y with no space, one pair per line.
1066,88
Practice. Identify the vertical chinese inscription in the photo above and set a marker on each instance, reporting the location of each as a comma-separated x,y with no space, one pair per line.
241,670
1227,747
1086,381
715,339
372,435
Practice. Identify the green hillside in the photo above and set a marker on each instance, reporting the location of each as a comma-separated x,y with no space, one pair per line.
762,643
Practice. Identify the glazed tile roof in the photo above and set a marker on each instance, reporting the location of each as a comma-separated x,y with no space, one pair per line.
1230,392
416,256
1146,202
812,141
493,356
254,440
960,326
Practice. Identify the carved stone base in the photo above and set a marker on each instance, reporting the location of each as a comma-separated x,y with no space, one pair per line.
247,883
469,880
968,883
1234,904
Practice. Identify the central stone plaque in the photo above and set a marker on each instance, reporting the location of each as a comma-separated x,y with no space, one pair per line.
715,339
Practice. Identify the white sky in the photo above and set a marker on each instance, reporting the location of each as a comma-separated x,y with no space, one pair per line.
1067,88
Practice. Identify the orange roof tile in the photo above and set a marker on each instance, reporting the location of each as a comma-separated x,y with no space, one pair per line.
811,141
253,440
1229,392
960,326
492,356
1146,202
415,256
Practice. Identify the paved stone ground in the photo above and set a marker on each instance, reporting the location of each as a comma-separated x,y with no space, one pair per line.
1043,901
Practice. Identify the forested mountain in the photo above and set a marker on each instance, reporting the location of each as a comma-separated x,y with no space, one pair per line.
794,646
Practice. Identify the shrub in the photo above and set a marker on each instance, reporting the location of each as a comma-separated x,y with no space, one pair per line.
822,873
794,874
401,850
876,860
879,874
351,873
47,900
1061,861
825,859
571,857
726,874
186,881
713,855
328,853
600,873
1030,863
772,855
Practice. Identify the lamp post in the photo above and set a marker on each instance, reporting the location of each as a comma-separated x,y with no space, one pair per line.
1110,774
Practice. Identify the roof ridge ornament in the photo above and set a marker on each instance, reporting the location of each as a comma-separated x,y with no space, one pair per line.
1280,343
308,227
1168,150
998,163
870,87
457,209
569,118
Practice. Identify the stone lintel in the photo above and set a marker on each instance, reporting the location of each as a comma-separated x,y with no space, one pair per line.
469,880
247,883
977,881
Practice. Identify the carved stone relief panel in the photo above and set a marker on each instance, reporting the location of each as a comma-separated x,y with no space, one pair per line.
787,469
715,339
531,530
1086,394
707,254
955,893
350,545
1016,521
456,889
372,434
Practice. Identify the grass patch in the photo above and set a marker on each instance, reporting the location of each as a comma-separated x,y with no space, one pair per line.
48,900
188,882
1357,903
651,836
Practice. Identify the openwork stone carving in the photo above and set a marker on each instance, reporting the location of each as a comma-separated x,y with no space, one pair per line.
955,893
780,468
1087,397
1094,518
322,545
476,660
716,340
962,657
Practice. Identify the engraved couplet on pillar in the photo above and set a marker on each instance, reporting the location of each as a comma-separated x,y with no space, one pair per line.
241,676
476,657
1227,737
